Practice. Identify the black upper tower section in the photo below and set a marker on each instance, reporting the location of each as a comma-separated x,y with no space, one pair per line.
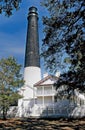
32,42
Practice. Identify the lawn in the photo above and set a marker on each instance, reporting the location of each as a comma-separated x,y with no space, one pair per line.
42,124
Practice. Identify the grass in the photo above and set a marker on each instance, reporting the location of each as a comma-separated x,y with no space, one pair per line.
42,124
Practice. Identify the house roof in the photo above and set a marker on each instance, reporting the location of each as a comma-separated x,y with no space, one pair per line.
48,80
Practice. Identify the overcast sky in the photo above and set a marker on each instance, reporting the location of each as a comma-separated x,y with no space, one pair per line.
13,31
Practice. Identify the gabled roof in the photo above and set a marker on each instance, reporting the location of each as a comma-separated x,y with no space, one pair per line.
48,80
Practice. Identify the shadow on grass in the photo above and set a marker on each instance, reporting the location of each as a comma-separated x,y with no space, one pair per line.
44,124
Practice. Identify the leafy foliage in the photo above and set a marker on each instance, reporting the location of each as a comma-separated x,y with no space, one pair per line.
8,6
65,37
10,81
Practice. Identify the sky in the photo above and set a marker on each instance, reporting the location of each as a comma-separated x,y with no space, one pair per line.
13,31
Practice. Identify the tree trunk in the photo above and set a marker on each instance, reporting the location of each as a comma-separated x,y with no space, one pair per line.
4,114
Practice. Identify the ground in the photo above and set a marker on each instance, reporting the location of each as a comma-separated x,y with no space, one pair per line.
42,124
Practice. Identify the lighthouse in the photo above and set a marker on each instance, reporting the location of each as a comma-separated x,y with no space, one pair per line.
32,71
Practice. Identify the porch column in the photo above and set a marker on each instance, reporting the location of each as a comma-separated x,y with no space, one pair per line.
43,95
53,99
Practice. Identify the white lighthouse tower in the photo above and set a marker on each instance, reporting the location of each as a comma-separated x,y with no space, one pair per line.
32,72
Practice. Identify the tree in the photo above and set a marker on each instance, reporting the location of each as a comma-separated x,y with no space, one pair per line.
65,34
10,82
8,6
